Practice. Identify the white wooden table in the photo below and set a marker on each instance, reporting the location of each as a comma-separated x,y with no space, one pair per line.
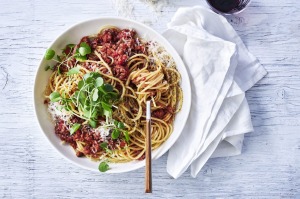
268,167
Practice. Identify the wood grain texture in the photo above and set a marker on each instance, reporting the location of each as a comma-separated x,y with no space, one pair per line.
268,167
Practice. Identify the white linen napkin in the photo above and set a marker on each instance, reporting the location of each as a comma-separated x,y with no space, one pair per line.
221,69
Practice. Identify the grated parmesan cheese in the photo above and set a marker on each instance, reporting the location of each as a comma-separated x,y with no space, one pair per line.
123,7
156,5
105,128
126,8
56,111
103,131
161,54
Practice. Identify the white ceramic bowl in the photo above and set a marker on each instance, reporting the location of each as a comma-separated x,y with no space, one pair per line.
73,35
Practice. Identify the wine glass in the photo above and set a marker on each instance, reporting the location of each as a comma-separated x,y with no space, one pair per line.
227,7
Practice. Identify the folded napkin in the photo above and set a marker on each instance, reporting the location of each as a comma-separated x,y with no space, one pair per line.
221,69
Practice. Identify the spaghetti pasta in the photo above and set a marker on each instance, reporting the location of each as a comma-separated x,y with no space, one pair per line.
125,66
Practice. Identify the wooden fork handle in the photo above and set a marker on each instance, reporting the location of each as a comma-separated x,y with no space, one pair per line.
148,173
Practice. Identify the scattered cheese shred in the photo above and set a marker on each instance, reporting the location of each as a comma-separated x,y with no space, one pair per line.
126,8
123,7
161,54
55,110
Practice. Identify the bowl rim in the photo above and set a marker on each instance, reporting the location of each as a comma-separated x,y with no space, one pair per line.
187,99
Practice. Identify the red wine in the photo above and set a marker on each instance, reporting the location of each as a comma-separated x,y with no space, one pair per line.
224,5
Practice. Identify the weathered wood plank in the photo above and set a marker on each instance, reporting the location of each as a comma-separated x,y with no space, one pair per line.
268,167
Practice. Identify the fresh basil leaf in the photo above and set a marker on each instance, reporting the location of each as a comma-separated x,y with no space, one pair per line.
84,44
67,107
58,70
115,134
108,88
58,58
103,166
107,113
82,98
80,84
103,145
49,54
94,114
71,45
99,81
121,125
116,123
63,94
86,76
106,106
74,128
90,80
95,95
86,47
95,75
93,123
80,58
54,97
113,95
75,95
126,135
84,51
73,71
87,113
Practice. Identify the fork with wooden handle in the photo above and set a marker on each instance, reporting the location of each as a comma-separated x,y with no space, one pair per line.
148,173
